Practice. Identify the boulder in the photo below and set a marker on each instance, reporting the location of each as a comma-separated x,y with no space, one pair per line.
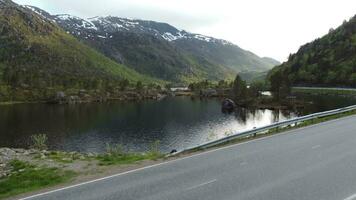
228,105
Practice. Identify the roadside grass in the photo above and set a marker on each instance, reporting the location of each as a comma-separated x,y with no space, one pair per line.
127,158
115,155
27,177
276,131
325,91
64,157
60,157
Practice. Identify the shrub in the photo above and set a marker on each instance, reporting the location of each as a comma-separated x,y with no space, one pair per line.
154,147
115,149
39,141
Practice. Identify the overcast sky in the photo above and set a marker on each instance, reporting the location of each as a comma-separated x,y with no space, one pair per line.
272,28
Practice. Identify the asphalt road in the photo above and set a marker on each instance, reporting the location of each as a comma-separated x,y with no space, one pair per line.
316,162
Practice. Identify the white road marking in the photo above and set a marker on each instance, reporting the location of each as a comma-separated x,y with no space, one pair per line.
202,184
178,159
316,146
352,197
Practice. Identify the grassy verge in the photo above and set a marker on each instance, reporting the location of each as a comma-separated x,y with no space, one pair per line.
278,130
64,157
126,158
324,91
34,174
27,177
116,156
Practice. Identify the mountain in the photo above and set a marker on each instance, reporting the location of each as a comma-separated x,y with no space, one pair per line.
272,61
159,49
326,61
251,77
35,53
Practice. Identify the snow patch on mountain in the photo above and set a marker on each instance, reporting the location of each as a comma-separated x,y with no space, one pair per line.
169,37
103,27
79,22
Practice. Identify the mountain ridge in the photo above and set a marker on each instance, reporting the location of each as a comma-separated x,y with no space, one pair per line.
162,50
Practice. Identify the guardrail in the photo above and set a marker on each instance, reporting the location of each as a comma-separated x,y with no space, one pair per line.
268,127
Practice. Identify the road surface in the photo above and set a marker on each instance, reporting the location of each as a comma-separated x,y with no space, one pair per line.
316,162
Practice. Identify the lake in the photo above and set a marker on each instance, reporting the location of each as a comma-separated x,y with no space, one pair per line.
177,122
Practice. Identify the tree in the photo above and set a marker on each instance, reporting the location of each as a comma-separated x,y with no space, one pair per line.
139,85
222,84
280,84
123,84
255,88
239,88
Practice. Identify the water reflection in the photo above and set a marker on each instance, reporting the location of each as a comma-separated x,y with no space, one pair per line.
177,122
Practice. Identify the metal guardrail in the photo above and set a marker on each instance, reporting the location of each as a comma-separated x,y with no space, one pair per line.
268,127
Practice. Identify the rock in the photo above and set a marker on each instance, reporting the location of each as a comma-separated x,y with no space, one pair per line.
32,151
43,156
2,175
26,153
45,152
7,152
19,150
228,106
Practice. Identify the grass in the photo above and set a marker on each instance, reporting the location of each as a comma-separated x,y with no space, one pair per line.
279,130
127,158
39,141
324,91
115,155
27,177
64,157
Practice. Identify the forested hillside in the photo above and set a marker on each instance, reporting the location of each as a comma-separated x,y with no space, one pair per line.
36,54
327,61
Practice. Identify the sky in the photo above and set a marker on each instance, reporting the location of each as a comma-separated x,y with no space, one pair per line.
272,28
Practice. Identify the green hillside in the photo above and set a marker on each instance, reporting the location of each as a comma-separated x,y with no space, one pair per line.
228,56
37,54
327,61
156,57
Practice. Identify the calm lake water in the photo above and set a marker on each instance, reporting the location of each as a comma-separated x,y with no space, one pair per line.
176,122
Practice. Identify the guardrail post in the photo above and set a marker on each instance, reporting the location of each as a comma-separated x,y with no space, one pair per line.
255,134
